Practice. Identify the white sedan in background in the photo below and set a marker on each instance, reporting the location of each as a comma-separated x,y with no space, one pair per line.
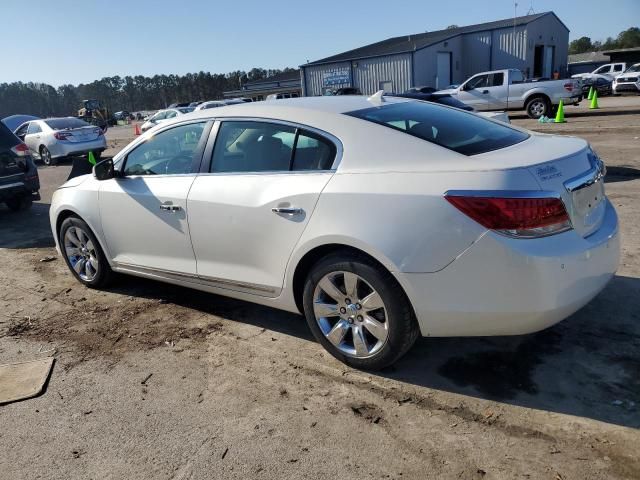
380,219
162,116
55,138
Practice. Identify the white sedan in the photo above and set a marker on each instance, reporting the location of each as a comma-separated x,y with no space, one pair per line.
380,219
162,116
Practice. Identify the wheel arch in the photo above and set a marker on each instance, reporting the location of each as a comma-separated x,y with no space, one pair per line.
65,213
537,94
315,254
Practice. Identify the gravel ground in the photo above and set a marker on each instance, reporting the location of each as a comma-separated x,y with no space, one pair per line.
156,381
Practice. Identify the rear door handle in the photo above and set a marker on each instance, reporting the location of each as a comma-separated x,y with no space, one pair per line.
288,210
171,208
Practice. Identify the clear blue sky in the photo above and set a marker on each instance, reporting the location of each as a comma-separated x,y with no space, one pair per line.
64,41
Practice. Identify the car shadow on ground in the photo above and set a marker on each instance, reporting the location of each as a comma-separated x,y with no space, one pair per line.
587,366
621,174
27,228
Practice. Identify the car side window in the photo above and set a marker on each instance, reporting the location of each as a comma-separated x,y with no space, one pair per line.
170,114
159,116
269,147
169,152
617,68
252,147
480,81
497,79
34,128
313,152
22,131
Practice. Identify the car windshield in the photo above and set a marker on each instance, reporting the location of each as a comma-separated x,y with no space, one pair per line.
66,123
634,68
185,109
451,128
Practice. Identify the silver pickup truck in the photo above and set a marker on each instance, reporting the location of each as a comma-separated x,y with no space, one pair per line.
509,90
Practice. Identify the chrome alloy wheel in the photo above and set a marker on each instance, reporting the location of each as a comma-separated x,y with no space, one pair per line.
350,314
538,108
81,253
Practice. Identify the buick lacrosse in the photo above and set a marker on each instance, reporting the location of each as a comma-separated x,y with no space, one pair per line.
380,219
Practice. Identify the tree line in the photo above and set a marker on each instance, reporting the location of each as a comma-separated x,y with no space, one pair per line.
132,93
628,38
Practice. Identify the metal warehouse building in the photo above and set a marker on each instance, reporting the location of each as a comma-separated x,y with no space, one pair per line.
536,44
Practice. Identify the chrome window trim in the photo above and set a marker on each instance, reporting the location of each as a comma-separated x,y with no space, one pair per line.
322,133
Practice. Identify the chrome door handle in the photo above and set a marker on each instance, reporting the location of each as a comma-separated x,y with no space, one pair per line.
287,210
171,208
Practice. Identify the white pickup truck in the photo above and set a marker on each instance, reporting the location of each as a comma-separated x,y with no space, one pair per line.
608,70
508,90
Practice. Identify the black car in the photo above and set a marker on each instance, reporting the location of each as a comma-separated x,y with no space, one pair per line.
19,182
603,85
441,98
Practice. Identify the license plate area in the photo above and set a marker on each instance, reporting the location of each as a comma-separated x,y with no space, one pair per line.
589,198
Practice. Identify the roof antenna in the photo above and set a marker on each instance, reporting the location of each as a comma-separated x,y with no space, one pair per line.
531,11
377,97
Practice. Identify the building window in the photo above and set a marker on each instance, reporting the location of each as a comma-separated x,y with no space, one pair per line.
387,86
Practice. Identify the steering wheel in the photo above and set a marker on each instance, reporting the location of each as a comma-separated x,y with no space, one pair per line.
181,162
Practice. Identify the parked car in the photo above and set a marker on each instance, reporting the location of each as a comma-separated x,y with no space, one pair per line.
163,115
19,182
508,90
601,83
280,96
446,99
380,218
179,105
423,89
211,104
611,70
55,138
123,115
629,81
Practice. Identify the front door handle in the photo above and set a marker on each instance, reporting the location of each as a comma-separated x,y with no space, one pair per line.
288,210
171,208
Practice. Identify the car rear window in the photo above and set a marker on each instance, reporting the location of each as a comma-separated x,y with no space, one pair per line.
62,123
450,128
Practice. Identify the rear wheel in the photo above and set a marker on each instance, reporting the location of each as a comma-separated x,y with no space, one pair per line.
537,107
82,253
358,312
19,203
45,156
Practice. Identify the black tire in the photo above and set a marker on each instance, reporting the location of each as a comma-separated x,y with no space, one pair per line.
538,106
104,274
45,156
402,326
98,154
17,204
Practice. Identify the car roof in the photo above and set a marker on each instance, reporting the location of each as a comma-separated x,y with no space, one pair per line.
328,104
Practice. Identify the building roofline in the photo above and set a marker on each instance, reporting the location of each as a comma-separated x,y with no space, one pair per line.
331,59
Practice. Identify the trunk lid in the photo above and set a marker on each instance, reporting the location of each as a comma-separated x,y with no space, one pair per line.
83,134
579,180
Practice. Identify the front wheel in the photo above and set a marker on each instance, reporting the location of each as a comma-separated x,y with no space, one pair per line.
82,253
538,107
358,312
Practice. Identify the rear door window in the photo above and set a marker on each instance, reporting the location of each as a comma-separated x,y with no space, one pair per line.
34,128
249,146
450,128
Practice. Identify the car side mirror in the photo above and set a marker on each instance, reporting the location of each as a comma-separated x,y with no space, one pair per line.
105,170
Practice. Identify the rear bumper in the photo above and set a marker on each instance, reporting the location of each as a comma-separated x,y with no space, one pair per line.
505,286
572,99
65,149
17,188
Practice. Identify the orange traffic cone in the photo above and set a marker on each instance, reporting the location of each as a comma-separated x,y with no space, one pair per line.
136,129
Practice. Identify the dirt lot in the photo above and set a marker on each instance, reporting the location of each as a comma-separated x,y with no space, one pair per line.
156,381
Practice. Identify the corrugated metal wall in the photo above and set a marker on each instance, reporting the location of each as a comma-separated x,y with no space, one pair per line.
367,74
370,73
314,76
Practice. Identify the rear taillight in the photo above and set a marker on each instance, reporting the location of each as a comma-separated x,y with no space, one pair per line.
21,150
568,86
62,135
521,217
